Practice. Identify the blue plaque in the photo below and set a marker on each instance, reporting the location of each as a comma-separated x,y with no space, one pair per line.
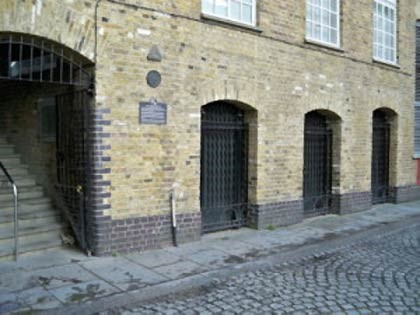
153,113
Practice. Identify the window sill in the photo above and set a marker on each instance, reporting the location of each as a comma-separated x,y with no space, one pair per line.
416,157
227,22
386,63
323,45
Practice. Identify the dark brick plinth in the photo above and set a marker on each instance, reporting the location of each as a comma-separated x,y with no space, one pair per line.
352,202
137,234
276,214
405,194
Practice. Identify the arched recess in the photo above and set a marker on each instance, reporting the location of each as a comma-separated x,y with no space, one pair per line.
30,58
228,167
384,154
322,156
45,101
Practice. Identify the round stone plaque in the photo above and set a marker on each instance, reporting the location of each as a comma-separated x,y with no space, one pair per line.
153,78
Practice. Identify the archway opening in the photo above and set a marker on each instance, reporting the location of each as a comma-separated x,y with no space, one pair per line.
321,178
44,102
225,167
382,122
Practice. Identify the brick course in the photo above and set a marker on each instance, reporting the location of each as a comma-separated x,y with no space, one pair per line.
273,73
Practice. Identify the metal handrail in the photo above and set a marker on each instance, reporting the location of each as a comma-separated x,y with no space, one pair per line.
16,221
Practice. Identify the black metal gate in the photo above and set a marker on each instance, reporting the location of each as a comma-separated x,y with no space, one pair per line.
72,157
224,161
380,158
317,165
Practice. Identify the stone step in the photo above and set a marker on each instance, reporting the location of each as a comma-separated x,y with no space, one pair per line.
28,232
33,204
40,225
28,214
27,227
31,243
10,160
20,181
6,195
17,170
6,149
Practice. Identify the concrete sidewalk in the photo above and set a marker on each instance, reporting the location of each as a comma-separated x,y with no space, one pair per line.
58,279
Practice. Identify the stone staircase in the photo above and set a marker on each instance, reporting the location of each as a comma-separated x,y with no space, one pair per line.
40,224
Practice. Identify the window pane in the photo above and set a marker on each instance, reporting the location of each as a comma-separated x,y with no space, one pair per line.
334,38
247,13
333,18
309,13
325,35
207,6
322,17
333,5
325,18
235,10
221,7
308,28
317,31
384,28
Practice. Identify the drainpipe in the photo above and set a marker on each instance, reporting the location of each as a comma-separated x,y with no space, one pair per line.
173,215
95,49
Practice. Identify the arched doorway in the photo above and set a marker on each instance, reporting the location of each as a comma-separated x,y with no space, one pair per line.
321,150
44,102
381,141
224,167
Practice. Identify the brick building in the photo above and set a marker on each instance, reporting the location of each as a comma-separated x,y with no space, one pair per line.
249,112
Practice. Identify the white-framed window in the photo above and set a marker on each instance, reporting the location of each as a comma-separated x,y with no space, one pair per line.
385,31
47,119
241,11
323,21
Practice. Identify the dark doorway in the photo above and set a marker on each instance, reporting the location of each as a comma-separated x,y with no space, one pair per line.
317,186
59,81
380,157
72,158
224,164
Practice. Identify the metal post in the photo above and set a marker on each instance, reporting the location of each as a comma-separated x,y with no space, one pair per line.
16,230
173,215
16,218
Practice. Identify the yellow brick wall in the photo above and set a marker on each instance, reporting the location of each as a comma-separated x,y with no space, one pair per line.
274,71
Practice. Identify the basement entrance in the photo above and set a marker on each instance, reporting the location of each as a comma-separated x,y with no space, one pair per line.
224,164
44,104
317,182
381,135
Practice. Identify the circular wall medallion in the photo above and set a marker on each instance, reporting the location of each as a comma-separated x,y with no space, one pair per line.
153,78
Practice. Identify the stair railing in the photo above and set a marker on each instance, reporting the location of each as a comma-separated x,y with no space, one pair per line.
16,221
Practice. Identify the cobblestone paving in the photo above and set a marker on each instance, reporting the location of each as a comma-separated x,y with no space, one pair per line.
378,276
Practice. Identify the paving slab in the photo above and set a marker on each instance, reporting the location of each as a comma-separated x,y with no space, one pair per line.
181,269
234,247
39,299
153,259
213,258
123,273
55,277
16,281
84,292
53,257
67,276
9,307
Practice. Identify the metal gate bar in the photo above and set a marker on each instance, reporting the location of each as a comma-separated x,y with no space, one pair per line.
380,158
72,155
224,147
317,188
33,59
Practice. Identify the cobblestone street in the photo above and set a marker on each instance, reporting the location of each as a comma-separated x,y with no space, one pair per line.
377,276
